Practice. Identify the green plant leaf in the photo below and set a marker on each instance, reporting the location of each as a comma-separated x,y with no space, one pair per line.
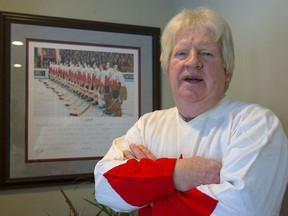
69,203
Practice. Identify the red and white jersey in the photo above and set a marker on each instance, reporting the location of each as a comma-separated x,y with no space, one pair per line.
82,74
95,75
105,77
88,72
118,77
247,139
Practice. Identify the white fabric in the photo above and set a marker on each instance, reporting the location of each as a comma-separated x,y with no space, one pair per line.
247,139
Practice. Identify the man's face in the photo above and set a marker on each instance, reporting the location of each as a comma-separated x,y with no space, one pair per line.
196,70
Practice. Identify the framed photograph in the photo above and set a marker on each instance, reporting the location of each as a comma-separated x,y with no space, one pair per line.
68,88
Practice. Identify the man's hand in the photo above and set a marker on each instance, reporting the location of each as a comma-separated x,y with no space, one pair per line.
138,152
188,172
192,172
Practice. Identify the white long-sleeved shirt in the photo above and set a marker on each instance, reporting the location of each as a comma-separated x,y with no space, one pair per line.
247,139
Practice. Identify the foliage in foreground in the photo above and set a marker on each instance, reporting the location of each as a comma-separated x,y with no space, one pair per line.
101,208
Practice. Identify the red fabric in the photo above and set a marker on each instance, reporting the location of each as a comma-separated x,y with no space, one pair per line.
142,182
148,182
189,203
108,82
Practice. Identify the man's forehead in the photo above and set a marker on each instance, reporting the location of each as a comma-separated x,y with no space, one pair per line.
196,39
201,34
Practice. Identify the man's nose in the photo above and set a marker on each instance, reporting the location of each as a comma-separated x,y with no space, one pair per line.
193,60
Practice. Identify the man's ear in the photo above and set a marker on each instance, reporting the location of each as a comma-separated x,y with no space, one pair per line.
227,79
227,75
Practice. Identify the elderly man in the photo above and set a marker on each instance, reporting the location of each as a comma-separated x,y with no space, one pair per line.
209,155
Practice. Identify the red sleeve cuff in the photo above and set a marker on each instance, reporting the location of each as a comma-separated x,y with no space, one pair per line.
142,182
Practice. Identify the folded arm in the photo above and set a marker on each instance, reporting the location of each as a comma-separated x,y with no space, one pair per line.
187,173
158,179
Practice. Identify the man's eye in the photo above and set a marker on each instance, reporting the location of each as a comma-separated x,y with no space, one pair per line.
207,54
180,54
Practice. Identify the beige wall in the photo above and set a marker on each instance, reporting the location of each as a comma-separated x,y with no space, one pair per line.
39,201
260,35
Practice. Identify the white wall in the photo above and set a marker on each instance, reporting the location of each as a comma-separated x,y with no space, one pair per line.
37,201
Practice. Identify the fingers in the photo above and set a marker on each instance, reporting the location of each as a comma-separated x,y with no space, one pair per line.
128,155
146,152
138,152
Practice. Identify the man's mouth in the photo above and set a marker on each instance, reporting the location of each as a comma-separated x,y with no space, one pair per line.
192,79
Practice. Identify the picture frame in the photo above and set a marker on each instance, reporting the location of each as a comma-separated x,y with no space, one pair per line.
47,138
